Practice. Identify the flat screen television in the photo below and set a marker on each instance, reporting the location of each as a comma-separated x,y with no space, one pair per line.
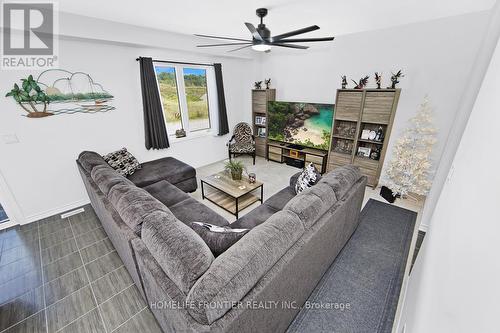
304,124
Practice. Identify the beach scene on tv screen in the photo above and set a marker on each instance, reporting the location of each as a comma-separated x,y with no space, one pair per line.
305,124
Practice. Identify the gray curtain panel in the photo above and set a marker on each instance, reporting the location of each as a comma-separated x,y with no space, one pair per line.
223,125
154,126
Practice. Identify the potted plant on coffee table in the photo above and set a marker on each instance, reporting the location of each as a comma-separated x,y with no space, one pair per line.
235,168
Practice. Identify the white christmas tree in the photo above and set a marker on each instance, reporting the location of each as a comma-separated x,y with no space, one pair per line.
410,167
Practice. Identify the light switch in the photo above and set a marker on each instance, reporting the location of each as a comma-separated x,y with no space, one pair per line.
10,138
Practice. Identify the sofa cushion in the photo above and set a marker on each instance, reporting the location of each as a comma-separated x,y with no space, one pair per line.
105,178
191,210
179,251
308,178
89,159
134,204
280,199
293,179
235,272
254,217
342,179
218,239
168,168
166,193
122,161
312,203
325,193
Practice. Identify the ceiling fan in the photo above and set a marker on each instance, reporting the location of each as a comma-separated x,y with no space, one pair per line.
262,39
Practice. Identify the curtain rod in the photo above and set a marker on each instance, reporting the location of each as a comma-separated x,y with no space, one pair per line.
179,62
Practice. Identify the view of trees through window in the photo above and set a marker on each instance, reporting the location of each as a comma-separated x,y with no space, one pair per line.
169,98
195,81
195,113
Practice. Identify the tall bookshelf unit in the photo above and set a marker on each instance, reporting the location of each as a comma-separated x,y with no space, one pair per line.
259,112
357,110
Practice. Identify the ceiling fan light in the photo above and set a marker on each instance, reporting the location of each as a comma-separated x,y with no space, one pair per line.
261,47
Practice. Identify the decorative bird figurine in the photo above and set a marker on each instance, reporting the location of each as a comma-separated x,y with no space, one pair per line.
394,79
362,82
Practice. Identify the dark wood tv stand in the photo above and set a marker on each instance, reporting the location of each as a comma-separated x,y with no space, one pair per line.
280,152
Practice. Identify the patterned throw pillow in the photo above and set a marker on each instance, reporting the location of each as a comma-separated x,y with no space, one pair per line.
218,239
123,162
309,177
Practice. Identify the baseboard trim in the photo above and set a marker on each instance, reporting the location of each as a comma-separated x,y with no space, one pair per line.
423,227
55,211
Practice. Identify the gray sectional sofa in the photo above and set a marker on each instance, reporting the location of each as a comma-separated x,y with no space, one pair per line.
259,283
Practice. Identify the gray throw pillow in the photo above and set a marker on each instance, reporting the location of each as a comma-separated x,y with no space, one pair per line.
218,239
309,177
123,162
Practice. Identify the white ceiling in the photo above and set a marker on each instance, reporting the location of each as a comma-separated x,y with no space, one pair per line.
226,17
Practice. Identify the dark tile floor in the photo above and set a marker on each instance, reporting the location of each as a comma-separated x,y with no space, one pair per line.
64,275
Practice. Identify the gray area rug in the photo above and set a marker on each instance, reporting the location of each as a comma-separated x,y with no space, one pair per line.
359,292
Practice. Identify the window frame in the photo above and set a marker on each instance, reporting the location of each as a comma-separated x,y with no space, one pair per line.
182,99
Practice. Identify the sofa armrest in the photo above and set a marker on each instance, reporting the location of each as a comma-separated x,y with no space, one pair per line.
293,179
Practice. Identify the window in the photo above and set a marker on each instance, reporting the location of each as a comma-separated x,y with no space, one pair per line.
185,95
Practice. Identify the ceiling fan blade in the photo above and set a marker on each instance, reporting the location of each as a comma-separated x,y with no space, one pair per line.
290,46
295,32
228,38
226,44
306,40
239,48
254,32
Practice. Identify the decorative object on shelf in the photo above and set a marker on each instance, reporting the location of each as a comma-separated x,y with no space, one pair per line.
380,134
375,154
268,83
343,146
65,92
258,85
365,134
378,79
294,153
261,132
362,82
235,168
364,151
344,82
252,178
395,79
409,171
345,129
260,120
180,133
372,135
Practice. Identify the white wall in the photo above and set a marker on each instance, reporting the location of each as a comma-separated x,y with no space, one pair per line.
40,170
436,57
454,284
